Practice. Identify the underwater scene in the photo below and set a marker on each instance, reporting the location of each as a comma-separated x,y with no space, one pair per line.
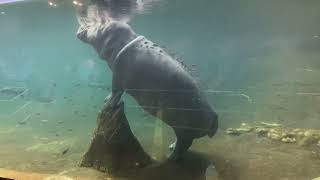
159,89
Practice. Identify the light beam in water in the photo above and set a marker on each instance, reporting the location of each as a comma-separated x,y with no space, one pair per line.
9,1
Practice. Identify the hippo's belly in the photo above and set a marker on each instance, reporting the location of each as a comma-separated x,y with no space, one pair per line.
185,112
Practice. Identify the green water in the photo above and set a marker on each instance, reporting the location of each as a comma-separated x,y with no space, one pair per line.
255,60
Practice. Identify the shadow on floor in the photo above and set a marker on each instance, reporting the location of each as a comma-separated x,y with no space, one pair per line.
193,166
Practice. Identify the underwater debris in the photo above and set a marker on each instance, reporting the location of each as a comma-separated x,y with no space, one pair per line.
51,147
12,91
25,120
45,100
75,84
270,125
279,133
65,151
22,122
54,84
99,86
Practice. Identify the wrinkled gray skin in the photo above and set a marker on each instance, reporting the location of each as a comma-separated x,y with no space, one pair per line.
156,81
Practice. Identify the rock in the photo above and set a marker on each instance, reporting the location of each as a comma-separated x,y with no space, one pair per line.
289,140
274,136
272,130
232,131
261,131
276,132
238,131
305,141
309,133
297,130
270,125
300,134
245,129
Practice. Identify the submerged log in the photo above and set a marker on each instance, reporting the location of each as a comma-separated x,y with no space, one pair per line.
114,148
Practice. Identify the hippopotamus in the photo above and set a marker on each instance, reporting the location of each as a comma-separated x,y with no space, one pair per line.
157,82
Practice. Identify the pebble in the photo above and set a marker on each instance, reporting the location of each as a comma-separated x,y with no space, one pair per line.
289,140
274,136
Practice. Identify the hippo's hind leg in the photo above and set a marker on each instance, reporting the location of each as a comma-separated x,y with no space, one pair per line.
173,145
181,145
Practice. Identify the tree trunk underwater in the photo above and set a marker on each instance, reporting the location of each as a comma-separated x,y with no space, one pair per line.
114,149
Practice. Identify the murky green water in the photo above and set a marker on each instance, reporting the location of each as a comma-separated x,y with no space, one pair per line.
255,60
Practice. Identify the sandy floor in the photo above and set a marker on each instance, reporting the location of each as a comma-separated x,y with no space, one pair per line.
243,157
37,176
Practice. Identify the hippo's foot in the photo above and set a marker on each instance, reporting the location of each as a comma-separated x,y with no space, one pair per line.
181,146
113,99
172,146
107,98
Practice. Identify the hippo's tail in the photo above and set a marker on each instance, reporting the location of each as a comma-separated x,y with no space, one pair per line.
214,123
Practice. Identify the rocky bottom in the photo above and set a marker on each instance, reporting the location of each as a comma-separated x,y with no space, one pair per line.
248,156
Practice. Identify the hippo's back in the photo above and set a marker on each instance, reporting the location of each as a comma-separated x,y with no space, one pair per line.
164,88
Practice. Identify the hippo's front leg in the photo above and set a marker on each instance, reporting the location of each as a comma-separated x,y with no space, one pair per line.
114,98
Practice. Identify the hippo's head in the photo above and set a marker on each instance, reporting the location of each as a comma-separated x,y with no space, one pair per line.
92,35
106,35
92,23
